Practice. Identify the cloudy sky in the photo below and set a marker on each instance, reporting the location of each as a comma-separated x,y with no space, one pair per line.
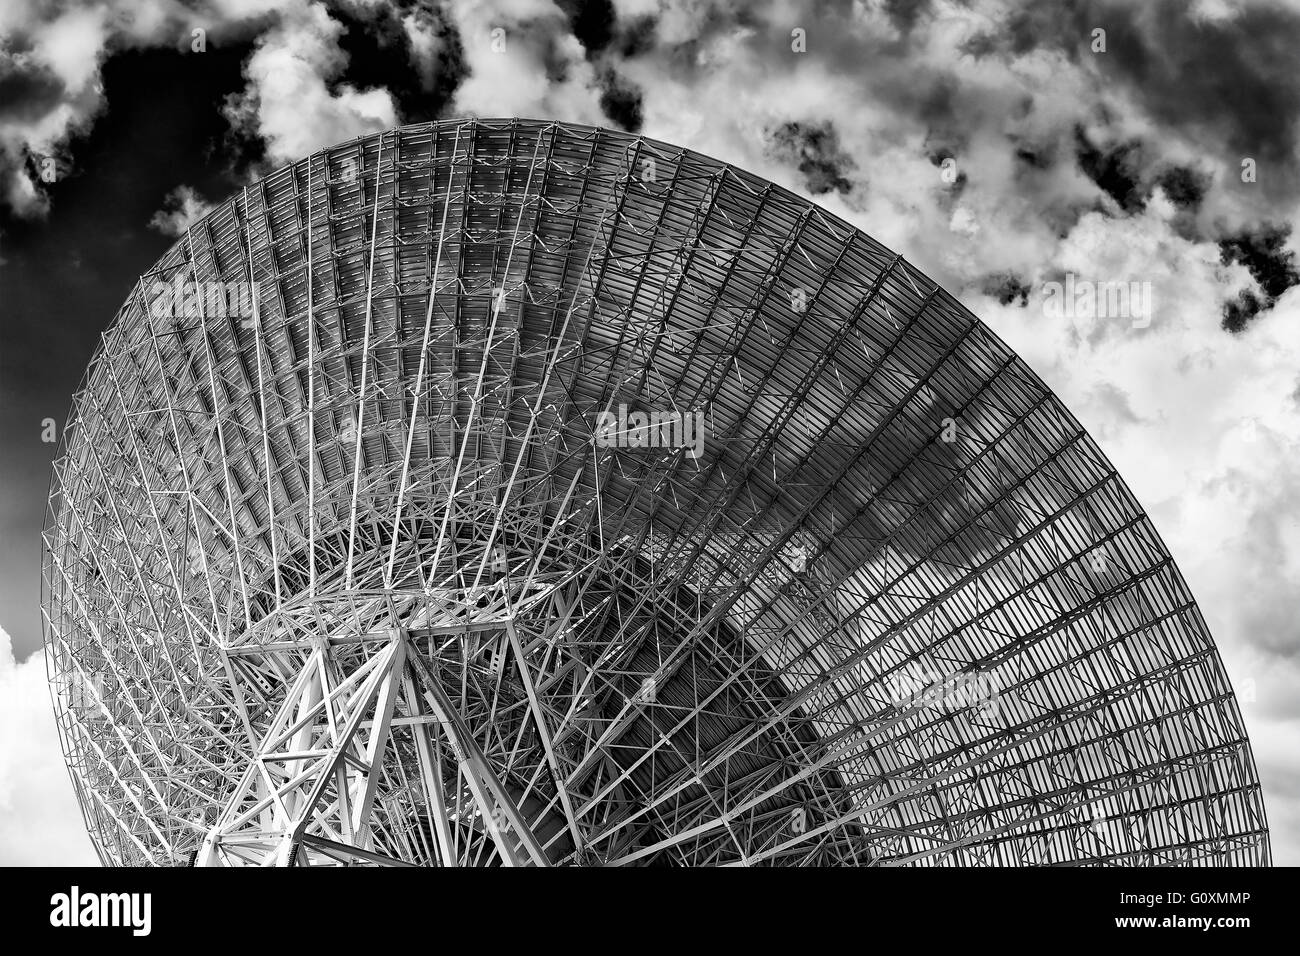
1001,146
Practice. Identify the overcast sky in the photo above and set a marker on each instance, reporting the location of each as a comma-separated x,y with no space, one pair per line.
998,145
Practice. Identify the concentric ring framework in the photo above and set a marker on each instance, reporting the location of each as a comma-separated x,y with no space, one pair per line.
386,586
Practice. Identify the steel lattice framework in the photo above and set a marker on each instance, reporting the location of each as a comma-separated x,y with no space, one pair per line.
353,579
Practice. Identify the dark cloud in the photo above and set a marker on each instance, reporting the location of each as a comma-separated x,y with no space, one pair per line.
1036,157
1241,311
1265,254
595,24
27,92
1227,83
1030,27
620,100
592,22
1272,266
814,148
1185,187
380,56
938,104
550,49
1116,170
637,36
1006,288
903,14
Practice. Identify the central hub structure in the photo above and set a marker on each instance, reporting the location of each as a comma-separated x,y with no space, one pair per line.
360,693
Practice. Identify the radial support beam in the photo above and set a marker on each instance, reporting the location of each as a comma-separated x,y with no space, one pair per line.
427,747
494,802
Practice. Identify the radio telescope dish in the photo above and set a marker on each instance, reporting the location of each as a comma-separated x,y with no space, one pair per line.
499,492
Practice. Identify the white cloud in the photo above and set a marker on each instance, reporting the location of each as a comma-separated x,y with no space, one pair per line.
51,56
426,47
40,824
182,208
523,61
60,66
288,103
